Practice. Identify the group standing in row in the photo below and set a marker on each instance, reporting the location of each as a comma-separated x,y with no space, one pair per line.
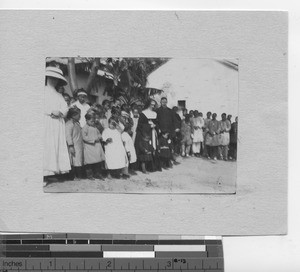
116,140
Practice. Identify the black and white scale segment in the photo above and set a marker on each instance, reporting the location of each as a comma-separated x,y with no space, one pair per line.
56,252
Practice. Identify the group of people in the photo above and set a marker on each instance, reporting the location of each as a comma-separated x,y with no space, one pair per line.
206,138
116,140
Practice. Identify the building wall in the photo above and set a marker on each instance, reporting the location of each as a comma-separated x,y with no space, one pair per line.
205,85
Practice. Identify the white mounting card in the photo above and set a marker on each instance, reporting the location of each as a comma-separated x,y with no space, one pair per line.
259,39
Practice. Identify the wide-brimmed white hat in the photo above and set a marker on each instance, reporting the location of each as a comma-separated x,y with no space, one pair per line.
57,73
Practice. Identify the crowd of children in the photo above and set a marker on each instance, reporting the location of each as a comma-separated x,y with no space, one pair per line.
116,140
104,147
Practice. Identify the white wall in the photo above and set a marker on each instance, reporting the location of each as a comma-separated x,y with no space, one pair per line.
205,84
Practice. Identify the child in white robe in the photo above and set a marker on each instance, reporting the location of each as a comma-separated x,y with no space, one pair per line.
198,124
130,150
115,154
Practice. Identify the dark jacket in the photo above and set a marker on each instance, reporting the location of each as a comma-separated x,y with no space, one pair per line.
233,132
166,120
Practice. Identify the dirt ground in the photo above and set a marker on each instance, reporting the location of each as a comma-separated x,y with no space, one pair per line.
193,175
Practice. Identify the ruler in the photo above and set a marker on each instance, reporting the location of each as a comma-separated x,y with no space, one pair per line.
56,252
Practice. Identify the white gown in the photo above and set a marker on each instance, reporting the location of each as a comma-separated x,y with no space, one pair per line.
129,146
56,156
115,154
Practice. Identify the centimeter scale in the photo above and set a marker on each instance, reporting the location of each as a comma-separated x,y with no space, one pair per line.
56,252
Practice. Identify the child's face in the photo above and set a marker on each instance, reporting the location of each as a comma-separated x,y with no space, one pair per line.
77,117
97,118
91,122
112,125
118,103
136,113
102,115
81,98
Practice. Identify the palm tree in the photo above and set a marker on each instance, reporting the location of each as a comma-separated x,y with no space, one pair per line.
72,75
125,78
130,78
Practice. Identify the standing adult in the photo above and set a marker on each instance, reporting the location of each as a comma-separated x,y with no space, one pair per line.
82,105
56,156
191,113
229,116
197,123
177,138
205,131
212,139
225,127
233,140
146,127
166,118
167,122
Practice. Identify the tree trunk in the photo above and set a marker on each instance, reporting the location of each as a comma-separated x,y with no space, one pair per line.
72,75
92,75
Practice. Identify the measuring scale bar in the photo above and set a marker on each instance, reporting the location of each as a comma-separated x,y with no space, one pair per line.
128,254
113,253
92,264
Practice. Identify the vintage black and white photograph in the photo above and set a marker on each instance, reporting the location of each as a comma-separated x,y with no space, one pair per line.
141,125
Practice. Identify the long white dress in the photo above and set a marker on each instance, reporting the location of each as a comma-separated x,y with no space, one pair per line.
129,146
198,124
115,154
56,156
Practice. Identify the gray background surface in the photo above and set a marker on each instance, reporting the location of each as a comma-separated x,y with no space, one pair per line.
258,39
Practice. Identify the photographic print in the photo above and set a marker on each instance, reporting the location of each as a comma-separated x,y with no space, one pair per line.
232,62
141,125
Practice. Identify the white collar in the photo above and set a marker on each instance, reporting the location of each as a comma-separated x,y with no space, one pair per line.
150,114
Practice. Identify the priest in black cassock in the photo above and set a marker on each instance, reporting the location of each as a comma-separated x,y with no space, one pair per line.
167,121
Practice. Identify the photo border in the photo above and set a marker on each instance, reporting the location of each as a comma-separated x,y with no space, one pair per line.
258,39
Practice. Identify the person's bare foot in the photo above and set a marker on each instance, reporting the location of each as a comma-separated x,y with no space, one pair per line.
109,176
125,176
99,176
